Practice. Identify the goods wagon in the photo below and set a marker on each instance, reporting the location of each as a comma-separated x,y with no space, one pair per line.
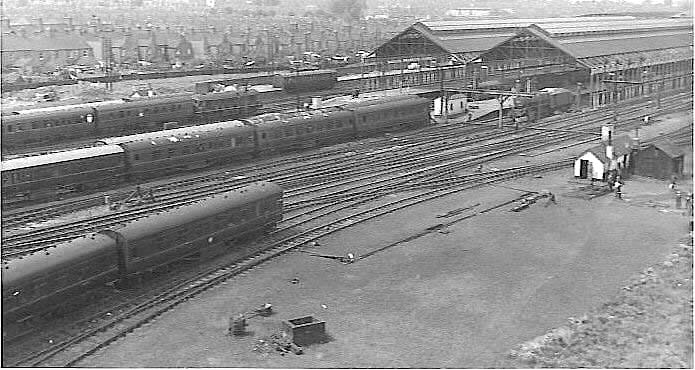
303,81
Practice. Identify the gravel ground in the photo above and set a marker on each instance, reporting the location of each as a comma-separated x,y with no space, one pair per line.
461,298
88,91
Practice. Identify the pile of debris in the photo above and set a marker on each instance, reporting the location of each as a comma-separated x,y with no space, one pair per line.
528,201
589,192
277,342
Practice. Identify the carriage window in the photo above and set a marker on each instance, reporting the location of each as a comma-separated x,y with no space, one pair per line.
121,114
156,154
263,135
136,157
364,119
288,132
10,128
35,125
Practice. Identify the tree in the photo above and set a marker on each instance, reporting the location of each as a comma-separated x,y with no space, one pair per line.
350,10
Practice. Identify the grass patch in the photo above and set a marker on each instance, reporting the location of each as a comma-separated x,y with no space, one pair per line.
647,325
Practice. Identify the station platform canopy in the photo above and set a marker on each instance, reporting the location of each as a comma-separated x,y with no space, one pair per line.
595,45
584,41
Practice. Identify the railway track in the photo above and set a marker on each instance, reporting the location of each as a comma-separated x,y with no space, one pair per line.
71,351
39,240
289,101
441,178
14,218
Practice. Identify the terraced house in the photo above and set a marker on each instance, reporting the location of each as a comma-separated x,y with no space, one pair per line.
42,52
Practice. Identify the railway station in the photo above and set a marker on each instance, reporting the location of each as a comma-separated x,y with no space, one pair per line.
604,59
473,191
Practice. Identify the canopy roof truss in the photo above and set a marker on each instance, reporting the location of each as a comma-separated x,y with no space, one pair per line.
410,43
531,48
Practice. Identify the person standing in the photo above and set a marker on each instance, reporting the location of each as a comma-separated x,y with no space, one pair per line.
551,199
618,189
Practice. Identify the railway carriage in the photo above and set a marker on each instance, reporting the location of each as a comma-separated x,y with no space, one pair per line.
164,152
378,116
39,282
150,155
284,132
227,105
207,228
49,176
303,81
145,114
44,126
28,128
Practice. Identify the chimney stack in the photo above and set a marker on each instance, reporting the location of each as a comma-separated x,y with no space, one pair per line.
607,132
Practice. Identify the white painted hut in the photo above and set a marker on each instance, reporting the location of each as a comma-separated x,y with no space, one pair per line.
595,163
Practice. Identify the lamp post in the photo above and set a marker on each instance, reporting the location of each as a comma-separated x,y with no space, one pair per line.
613,97
660,86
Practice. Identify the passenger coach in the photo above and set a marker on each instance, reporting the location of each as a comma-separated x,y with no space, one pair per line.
49,176
42,281
164,152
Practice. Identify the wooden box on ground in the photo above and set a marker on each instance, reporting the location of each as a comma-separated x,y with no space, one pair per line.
305,330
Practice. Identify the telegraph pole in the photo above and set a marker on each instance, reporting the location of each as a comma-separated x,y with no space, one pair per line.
108,61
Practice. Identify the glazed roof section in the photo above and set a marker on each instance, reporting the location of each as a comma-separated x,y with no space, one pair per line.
583,37
482,35
620,37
